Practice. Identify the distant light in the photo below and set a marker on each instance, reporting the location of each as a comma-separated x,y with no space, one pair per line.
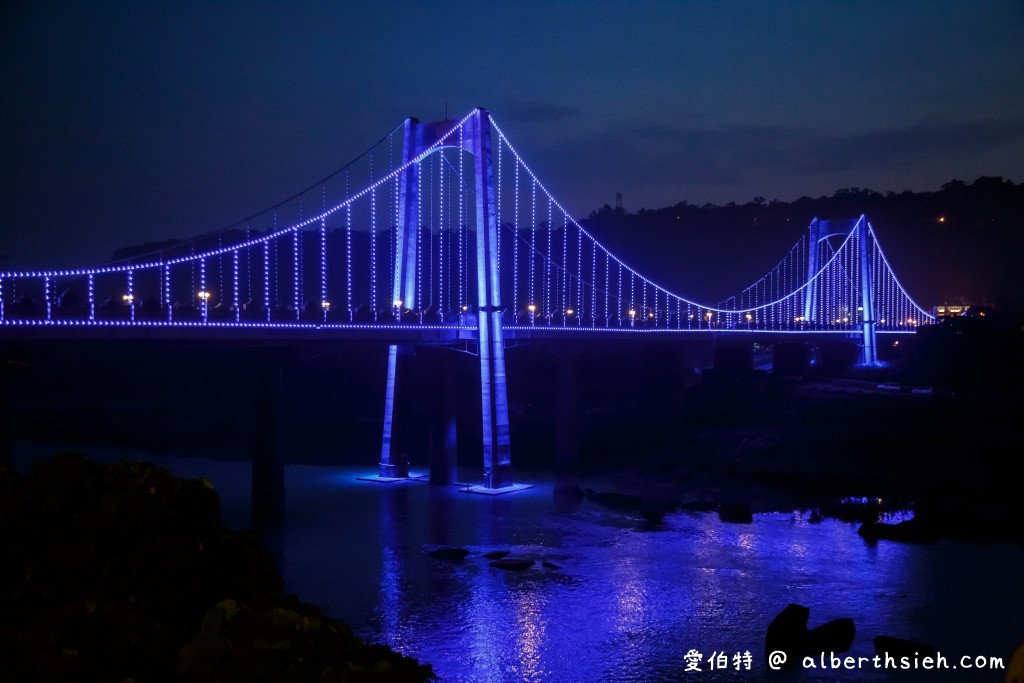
632,313
942,219
749,317
128,298
531,308
326,305
397,303
569,311
203,295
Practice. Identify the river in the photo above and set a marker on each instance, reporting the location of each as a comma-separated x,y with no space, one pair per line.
624,600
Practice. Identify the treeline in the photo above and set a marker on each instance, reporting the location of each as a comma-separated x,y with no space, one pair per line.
961,242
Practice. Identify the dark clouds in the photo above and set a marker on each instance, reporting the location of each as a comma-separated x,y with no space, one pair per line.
130,122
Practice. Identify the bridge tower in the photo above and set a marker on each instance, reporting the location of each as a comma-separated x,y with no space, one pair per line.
869,349
813,253
821,230
477,140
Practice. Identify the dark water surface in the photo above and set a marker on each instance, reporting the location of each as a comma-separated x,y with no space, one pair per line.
629,599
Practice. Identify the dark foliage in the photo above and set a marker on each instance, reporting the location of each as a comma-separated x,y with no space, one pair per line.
125,572
959,242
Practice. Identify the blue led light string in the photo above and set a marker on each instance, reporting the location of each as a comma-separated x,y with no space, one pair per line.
632,298
462,196
532,239
579,271
607,286
497,210
788,283
167,295
849,276
393,240
234,272
643,302
204,295
444,300
276,257
430,243
515,247
266,278
565,267
249,296
373,246
547,267
46,294
323,250
881,311
618,312
130,296
348,261
295,274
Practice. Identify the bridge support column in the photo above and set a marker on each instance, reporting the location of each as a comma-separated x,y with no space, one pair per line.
496,450
869,349
393,462
268,502
496,447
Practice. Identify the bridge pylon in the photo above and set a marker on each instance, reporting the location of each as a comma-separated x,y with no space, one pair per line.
820,231
869,348
476,139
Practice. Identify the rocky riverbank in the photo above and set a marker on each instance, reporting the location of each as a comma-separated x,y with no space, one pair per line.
125,572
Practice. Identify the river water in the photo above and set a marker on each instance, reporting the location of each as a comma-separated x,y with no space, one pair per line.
628,600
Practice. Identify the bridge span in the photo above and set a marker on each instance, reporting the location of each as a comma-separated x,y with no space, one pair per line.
441,234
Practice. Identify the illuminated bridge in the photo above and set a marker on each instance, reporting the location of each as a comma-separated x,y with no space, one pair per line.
441,233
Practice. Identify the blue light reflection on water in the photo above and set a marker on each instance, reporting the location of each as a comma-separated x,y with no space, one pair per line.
629,599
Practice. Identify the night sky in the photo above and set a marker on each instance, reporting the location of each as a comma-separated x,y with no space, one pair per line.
126,122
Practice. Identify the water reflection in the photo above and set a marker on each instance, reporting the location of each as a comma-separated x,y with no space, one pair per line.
627,602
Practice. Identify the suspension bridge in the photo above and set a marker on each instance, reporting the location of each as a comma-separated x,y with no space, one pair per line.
441,233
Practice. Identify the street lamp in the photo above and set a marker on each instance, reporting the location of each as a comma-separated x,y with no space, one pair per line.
204,302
